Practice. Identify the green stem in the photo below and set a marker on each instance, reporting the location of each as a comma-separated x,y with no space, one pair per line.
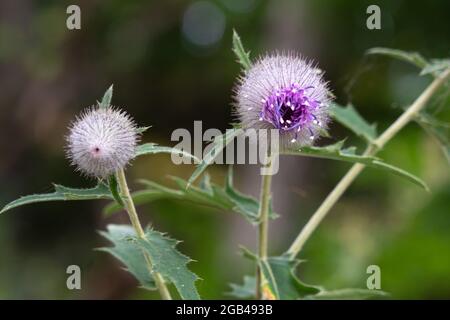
263,230
132,213
356,169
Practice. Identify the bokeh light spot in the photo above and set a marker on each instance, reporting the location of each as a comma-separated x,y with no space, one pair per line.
203,24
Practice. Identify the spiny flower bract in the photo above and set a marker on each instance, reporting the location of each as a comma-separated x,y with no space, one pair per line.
102,141
284,92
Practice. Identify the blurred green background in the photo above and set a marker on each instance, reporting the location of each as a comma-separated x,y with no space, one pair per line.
171,63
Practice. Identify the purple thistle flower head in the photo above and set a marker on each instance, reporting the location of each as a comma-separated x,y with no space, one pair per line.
284,92
101,141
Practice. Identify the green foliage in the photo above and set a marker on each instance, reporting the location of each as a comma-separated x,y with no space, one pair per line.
283,283
141,130
243,57
153,148
410,57
279,272
215,148
106,100
436,66
337,152
245,290
226,198
61,193
155,191
128,253
170,263
114,189
246,205
165,259
433,66
350,118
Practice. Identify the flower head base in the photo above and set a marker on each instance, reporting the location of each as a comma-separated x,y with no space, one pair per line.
102,141
287,93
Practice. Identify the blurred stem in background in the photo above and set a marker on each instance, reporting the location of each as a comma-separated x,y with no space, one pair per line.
263,233
131,209
356,169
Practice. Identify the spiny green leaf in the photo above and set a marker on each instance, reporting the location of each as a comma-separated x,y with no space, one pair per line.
100,191
173,193
141,130
139,197
106,100
279,273
128,253
350,118
242,55
410,57
337,152
214,197
61,193
153,148
348,294
378,164
245,290
246,205
436,66
195,195
33,199
156,191
215,148
170,263
225,198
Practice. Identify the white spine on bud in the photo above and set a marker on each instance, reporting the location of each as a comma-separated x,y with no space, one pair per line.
102,141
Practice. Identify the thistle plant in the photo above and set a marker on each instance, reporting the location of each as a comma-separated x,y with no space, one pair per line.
100,144
282,91
287,93
270,81
102,141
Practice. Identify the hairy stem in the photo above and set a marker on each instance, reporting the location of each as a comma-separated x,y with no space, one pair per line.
263,230
131,209
356,169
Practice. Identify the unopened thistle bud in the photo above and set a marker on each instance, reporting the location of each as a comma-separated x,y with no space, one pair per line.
102,141
284,92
